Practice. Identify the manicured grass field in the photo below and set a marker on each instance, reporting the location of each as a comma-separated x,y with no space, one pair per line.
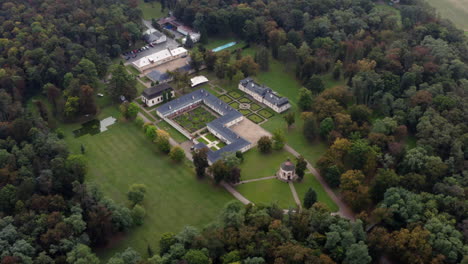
255,118
235,95
145,79
234,105
225,98
123,156
176,135
265,113
254,107
195,119
150,117
245,100
152,10
245,112
310,181
268,191
221,144
258,165
140,87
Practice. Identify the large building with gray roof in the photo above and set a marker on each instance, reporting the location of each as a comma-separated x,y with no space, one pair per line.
264,95
219,127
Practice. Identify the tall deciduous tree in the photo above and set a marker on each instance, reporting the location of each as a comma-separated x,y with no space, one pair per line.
310,198
200,160
122,83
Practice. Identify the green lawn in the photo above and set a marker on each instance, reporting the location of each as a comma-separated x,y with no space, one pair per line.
455,10
140,88
151,10
258,165
330,82
176,135
268,191
145,79
202,140
221,144
295,138
210,137
132,70
150,117
123,156
310,181
254,118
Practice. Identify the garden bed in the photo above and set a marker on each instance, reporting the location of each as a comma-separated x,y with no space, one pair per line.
195,120
254,107
235,94
225,98
210,137
245,112
255,118
221,144
245,100
265,113
234,105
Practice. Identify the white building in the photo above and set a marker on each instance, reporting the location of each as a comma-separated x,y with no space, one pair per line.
197,80
159,58
264,95
157,94
287,171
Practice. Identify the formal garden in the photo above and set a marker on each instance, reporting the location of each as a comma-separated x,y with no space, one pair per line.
211,141
195,119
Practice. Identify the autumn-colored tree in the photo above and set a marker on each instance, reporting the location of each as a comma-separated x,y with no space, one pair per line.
354,190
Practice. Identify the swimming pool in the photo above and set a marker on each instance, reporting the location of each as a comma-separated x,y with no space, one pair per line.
225,46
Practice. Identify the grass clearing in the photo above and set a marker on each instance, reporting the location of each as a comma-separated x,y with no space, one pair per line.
258,165
214,42
151,10
255,118
122,156
322,196
268,191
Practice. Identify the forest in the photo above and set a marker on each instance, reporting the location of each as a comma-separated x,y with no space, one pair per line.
397,133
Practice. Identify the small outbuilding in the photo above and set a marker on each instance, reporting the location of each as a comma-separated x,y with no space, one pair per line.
287,171
157,94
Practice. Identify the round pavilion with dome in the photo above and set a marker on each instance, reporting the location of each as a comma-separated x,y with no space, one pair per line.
287,171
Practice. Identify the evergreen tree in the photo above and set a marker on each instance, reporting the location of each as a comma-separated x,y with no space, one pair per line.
310,198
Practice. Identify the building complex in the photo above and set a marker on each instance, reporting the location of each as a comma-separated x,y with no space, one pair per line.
220,127
264,95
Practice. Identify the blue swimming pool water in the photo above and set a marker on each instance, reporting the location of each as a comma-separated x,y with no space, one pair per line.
225,46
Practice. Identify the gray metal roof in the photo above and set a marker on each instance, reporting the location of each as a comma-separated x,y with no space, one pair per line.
227,113
264,91
288,166
155,91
